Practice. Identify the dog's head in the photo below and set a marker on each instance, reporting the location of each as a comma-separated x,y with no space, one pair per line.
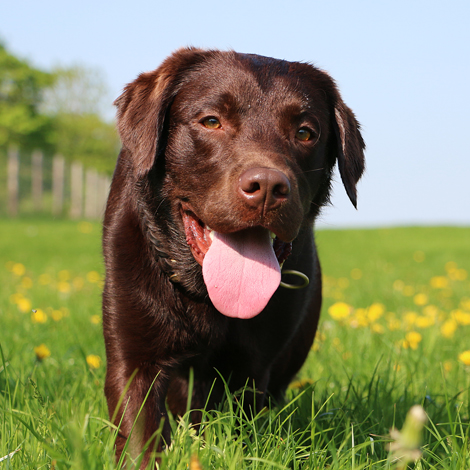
241,148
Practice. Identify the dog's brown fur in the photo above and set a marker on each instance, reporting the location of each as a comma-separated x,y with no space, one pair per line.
158,320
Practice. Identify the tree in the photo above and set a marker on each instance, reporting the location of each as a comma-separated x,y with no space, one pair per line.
21,93
58,112
75,103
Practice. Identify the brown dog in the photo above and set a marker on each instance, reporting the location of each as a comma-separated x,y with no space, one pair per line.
226,161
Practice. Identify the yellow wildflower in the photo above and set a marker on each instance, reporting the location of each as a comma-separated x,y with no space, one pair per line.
410,318
38,316
93,361
413,339
93,277
340,310
394,324
24,305
465,357
85,227
448,328
408,291
461,317
18,269
95,319
375,311
63,287
424,322
78,283
57,315
378,328
447,366
44,279
420,299
439,282
27,282
465,304
42,352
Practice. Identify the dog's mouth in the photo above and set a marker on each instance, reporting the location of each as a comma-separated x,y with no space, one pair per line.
241,269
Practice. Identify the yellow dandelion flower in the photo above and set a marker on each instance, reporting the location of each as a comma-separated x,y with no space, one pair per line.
93,277
413,338
24,305
42,352
419,256
95,319
439,282
465,304
410,318
420,299
360,318
85,227
64,287
460,317
465,357
27,282
78,283
340,310
450,266
93,361
356,274
396,366
461,275
431,311
57,315
377,328
18,269
448,328
424,322
44,279
375,311
38,316
394,324
447,366
300,383
408,291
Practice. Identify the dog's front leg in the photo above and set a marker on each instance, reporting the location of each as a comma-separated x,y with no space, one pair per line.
136,401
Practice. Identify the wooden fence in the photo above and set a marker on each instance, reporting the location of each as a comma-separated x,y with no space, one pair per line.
37,184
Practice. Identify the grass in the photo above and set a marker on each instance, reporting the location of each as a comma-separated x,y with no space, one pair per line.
395,325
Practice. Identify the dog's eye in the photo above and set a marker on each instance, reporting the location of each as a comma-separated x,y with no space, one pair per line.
211,122
304,134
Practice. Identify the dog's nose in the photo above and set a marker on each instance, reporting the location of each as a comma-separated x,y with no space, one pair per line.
264,188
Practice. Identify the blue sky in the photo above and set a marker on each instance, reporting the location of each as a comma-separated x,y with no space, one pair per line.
403,66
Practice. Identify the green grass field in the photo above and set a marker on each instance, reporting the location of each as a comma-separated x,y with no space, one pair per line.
395,332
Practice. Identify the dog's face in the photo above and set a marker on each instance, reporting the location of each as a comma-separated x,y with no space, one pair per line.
246,146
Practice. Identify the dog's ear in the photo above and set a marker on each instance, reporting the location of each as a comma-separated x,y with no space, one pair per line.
350,148
143,106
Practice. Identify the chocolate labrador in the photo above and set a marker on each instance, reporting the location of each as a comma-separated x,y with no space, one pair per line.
226,161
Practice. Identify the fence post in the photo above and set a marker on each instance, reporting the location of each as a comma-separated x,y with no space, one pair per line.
91,184
76,190
12,184
36,179
58,167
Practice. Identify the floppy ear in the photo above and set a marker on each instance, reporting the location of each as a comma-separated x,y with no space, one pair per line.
350,148
142,107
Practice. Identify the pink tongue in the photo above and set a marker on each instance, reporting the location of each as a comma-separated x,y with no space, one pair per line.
241,272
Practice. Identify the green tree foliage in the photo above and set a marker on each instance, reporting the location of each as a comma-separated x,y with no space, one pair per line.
75,103
58,111
21,92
